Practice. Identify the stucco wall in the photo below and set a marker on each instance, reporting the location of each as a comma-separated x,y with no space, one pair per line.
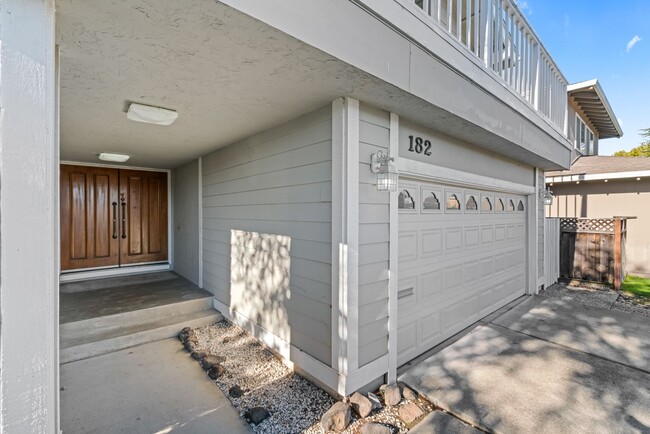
607,199
185,187
267,230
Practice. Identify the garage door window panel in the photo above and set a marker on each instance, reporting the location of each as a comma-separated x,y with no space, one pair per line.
511,205
431,201
487,203
471,203
406,199
453,202
499,204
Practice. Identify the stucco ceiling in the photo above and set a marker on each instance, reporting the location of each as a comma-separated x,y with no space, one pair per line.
226,75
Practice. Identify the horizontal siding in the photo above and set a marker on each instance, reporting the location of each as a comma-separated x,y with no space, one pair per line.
267,230
373,239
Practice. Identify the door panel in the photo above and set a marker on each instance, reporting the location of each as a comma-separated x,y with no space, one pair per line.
87,213
143,197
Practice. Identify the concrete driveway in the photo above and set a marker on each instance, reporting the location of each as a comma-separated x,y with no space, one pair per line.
544,365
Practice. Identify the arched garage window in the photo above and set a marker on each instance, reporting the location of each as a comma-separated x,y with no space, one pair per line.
431,202
520,206
500,205
471,204
405,200
486,205
511,205
453,202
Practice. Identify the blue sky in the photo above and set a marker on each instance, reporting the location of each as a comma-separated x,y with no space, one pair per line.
607,40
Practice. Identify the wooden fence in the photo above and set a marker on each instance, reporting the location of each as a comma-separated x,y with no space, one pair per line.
593,249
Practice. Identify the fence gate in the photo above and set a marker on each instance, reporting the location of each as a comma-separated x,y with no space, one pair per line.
593,249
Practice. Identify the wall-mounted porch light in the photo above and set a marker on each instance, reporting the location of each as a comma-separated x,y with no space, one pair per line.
546,195
380,165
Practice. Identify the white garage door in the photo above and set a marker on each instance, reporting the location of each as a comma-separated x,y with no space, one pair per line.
461,256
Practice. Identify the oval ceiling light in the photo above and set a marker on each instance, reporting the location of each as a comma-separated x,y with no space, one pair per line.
150,114
116,158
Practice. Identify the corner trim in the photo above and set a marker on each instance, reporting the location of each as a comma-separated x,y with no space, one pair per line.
393,237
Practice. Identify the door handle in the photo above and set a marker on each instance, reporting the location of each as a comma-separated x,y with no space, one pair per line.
123,218
114,220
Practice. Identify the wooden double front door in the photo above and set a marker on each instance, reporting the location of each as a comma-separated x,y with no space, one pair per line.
112,217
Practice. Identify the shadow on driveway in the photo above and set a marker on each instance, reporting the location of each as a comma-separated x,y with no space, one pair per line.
545,365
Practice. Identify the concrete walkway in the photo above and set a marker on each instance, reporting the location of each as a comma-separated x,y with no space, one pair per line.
152,388
545,365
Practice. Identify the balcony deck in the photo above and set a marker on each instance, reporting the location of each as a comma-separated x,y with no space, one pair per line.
497,33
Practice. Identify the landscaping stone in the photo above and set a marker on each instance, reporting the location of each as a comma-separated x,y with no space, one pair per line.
360,404
336,418
216,371
185,333
375,428
210,360
198,355
409,412
235,392
392,394
375,401
408,393
189,345
256,415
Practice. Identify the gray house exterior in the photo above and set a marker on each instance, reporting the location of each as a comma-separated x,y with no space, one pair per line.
272,204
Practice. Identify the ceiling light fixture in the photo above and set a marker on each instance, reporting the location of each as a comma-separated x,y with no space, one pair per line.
116,158
150,114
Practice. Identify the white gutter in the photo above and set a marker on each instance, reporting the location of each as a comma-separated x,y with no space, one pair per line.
597,176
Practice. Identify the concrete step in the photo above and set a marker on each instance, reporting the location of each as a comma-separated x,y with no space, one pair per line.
101,325
107,341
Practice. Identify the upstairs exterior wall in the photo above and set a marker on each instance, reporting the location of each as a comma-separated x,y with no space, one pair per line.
267,232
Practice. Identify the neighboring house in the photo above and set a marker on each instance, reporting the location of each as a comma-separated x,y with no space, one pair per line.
261,191
598,186
601,186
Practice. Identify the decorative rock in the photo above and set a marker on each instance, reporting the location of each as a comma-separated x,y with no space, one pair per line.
392,395
210,360
216,371
408,393
235,392
375,401
185,333
256,415
337,418
409,412
189,345
198,355
361,404
375,428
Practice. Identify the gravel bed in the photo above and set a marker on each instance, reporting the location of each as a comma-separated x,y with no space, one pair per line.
597,296
295,404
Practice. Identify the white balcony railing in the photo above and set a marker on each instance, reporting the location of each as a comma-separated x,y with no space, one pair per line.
497,33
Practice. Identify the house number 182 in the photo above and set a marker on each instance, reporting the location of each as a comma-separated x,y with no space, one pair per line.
419,145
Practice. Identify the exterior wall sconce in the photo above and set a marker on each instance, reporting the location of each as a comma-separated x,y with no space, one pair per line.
380,165
546,195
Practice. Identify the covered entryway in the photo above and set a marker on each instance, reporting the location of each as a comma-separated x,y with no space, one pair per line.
462,255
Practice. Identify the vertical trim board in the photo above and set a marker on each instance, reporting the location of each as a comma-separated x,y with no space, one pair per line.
393,261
